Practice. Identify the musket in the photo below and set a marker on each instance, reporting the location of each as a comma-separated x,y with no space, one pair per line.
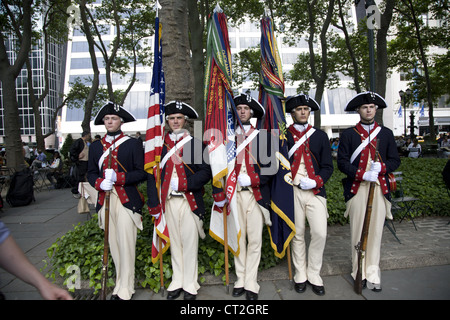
105,240
225,245
362,244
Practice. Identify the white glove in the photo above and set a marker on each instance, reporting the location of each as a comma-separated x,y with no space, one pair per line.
174,184
244,180
106,185
307,183
156,216
375,166
371,176
220,204
110,174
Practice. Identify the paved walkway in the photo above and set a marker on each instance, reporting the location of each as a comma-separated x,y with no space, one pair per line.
416,268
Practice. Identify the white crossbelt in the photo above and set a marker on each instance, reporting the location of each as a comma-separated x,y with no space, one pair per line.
247,141
112,147
172,151
301,141
364,143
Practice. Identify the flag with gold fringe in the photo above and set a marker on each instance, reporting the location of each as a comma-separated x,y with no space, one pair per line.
271,96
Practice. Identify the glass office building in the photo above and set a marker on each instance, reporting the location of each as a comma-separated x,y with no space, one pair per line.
56,65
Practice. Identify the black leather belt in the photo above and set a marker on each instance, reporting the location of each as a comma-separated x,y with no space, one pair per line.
176,194
245,189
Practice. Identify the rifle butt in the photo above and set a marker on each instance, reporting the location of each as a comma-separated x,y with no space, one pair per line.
105,250
104,278
357,285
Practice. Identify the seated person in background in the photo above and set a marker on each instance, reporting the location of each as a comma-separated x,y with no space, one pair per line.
41,158
414,149
55,167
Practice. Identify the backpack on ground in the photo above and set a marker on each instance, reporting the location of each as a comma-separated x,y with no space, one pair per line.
21,191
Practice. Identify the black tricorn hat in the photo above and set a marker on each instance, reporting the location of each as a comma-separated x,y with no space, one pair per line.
301,99
111,108
258,110
367,97
180,107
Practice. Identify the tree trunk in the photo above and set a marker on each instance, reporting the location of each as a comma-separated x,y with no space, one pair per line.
177,62
319,78
424,61
88,104
13,141
8,75
382,55
196,31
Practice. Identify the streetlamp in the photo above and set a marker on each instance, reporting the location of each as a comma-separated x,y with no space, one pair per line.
404,96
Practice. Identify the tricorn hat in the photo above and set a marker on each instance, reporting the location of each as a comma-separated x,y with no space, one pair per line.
258,110
367,97
301,99
180,107
111,108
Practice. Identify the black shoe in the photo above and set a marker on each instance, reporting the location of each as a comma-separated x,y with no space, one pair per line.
319,290
115,297
172,295
189,296
237,292
300,287
364,285
251,295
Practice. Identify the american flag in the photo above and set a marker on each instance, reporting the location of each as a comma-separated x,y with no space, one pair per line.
154,139
155,118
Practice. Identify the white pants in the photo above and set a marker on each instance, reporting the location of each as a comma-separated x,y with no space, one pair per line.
184,229
123,224
356,209
251,221
314,208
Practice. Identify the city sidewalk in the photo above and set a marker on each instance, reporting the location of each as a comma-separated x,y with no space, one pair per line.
416,268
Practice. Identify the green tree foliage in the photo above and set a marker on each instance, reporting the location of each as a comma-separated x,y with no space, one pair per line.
420,49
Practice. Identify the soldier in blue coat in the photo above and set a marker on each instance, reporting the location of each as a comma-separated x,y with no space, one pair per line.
255,166
356,155
183,175
120,174
311,167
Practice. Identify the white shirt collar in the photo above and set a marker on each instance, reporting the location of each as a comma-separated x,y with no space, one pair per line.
301,127
368,127
246,128
110,139
175,136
